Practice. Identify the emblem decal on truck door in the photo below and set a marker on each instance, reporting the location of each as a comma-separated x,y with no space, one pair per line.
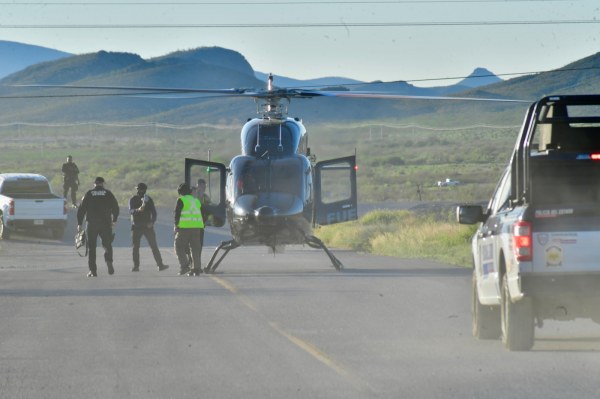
554,256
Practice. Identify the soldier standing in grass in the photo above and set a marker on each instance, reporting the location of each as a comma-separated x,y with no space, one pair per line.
70,173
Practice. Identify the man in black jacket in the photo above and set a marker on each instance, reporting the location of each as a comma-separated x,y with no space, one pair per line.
102,210
70,173
143,217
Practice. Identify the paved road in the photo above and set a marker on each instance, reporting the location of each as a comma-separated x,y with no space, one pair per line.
284,326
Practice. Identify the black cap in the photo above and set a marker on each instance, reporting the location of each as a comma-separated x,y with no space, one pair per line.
184,189
99,180
141,187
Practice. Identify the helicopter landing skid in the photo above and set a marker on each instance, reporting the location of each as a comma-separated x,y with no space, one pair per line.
314,242
225,246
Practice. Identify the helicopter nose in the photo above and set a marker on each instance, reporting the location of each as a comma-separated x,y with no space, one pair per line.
264,214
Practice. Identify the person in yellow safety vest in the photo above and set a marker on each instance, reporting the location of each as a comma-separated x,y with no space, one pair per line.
189,231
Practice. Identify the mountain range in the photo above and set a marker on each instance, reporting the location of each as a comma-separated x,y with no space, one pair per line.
17,56
215,67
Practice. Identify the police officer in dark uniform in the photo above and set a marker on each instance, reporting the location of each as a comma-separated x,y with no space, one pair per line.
70,173
102,210
143,217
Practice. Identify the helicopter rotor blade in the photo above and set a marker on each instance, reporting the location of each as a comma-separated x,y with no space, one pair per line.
397,96
271,94
136,88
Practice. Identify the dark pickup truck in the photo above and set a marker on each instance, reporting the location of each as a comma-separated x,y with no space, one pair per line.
536,253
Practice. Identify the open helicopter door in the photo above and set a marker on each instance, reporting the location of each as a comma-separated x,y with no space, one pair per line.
335,191
214,174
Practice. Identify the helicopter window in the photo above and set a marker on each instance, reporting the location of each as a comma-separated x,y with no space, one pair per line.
334,183
270,141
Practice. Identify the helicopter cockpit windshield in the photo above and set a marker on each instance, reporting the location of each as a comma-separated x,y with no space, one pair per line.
270,140
257,176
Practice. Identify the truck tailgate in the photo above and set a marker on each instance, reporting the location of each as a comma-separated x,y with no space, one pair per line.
572,246
42,209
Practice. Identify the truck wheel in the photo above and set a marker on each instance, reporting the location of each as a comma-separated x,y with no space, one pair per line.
4,232
517,321
58,234
485,319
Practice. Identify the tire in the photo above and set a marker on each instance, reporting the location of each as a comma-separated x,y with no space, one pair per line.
4,232
517,321
485,319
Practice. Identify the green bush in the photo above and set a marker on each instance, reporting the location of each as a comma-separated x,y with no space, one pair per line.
404,234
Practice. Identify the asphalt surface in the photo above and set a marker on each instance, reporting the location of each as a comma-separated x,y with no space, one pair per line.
264,326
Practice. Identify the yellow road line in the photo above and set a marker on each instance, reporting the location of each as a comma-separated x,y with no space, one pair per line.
311,349
300,343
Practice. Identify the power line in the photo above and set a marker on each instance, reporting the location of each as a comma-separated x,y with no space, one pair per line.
299,25
277,3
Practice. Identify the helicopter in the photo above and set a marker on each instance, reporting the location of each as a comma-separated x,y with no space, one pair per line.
274,193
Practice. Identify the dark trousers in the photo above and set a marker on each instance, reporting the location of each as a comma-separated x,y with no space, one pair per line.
186,241
105,232
136,239
73,186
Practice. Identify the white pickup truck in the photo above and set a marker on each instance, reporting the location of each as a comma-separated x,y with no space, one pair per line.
27,202
447,183
535,252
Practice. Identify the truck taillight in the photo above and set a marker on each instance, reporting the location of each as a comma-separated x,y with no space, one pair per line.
11,207
522,242
65,209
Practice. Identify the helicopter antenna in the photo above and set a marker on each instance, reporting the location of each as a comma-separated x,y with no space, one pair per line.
257,147
280,146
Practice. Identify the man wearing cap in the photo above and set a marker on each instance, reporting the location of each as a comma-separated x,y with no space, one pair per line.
189,231
143,217
100,207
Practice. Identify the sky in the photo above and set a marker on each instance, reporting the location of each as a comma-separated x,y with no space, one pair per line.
411,40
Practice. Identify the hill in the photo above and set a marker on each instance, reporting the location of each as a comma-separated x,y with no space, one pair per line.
203,67
17,56
479,77
214,67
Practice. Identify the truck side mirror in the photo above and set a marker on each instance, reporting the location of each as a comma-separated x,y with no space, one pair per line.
469,214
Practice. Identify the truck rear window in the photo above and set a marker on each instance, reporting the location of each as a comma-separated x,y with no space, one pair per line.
566,127
566,138
25,186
